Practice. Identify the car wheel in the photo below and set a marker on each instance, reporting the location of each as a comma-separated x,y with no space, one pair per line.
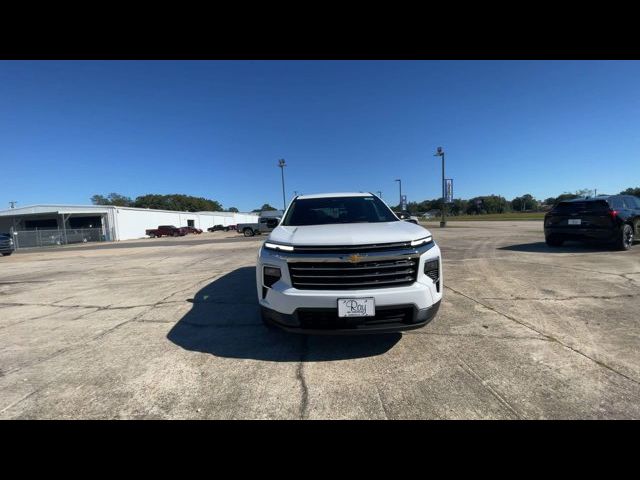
248,232
175,234
7,254
626,238
553,241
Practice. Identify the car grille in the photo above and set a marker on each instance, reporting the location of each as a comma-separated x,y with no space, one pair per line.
352,276
347,249
328,319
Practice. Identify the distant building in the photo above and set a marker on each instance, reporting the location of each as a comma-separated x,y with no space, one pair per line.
109,222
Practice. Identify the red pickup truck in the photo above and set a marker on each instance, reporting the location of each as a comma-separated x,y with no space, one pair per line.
168,230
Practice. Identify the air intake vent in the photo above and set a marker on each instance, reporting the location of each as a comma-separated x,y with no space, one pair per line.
432,270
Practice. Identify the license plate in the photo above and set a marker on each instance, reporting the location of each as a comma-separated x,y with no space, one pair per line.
356,307
575,221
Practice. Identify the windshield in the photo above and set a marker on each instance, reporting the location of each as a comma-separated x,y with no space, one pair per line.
576,207
324,211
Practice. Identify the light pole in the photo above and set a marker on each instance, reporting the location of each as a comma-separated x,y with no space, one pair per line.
400,183
443,222
282,164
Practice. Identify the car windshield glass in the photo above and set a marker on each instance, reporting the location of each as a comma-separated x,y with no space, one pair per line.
574,207
330,210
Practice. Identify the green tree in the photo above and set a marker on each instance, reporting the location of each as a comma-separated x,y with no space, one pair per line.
523,203
631,191
112,199
265,208
99,200
233,209
565,196
177,202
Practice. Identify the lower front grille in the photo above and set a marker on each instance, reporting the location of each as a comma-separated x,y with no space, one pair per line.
315,319
352,276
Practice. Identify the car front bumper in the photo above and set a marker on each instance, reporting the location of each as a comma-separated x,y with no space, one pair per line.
316,311
323,321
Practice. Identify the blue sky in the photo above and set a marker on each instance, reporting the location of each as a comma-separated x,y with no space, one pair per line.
71,129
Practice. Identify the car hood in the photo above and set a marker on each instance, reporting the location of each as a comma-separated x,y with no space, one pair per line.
349,233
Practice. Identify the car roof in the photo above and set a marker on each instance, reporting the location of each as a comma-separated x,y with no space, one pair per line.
336,194
590,199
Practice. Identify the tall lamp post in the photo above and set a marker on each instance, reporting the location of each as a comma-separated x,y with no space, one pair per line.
443,222
400,183
282,164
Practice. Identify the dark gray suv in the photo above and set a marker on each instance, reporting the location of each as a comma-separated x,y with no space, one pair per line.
6,244
613,219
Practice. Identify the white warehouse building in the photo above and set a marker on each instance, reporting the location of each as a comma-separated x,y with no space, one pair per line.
110,223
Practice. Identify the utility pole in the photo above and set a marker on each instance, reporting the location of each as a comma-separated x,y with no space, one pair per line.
282,164
443,222
400,183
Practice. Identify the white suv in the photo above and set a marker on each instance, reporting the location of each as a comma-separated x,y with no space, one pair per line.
344,263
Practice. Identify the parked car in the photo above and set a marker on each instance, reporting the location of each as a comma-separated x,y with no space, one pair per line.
192,230
345,263
404,215
613,219
6,244
264,225
166,230
216,228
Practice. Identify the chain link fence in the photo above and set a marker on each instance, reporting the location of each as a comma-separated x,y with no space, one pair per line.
45,238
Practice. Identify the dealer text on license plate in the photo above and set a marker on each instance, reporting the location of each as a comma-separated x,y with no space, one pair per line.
356,307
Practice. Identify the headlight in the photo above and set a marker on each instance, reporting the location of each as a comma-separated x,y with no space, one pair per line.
276,246
421,241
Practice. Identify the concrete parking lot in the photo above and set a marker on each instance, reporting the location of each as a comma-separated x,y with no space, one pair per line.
170,328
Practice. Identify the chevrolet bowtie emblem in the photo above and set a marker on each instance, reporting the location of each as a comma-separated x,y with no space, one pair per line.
355,258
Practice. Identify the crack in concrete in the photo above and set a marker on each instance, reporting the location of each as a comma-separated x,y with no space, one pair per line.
562,299
25,397
29,319
467,368
304,400
546,335
622,275
382,404
100,335
541,339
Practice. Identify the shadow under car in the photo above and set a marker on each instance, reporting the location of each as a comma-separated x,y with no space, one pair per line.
225,321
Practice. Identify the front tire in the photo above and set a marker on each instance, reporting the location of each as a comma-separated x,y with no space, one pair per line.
248,232
626,238
553,241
